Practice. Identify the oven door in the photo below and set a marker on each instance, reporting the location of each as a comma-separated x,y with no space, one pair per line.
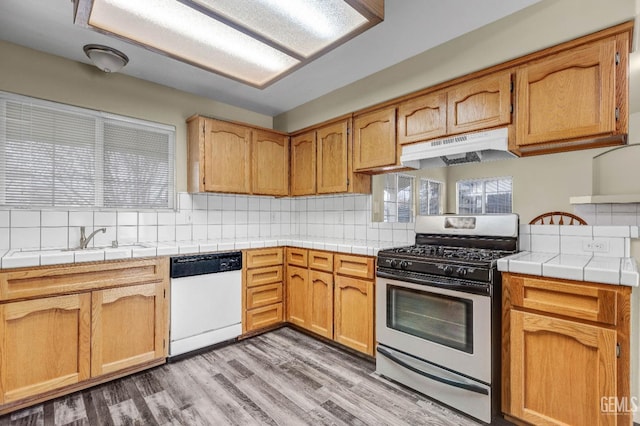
450,329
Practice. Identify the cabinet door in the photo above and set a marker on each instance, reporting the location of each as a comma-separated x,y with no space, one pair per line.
332,158
303,164
270,163
44,345
128,326
422,118
561,370
479,104
567,95
227,149
321,303
353,313
374,140
297,291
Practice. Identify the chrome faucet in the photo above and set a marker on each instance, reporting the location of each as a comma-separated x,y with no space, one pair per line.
84,241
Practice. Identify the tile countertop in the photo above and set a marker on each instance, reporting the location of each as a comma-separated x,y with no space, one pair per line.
17,258
579,267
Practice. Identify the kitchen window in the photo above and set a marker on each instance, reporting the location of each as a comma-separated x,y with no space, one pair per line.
485,196
56,155
401,194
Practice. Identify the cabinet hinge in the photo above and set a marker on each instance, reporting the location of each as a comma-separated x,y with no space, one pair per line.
617,58
617,350
511,109
347,182
164,293
164,343
203,131
511,87
617,113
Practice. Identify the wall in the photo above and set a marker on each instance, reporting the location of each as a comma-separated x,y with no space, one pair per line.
32,73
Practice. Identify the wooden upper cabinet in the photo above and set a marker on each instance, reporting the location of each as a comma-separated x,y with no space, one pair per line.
422,118
227,150
270,163
332,148
321,161
374,140
568,95
303,164
479,104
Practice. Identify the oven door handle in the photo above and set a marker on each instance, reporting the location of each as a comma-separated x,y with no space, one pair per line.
467,386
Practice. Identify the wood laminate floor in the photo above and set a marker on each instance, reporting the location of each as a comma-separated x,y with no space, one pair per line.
280,378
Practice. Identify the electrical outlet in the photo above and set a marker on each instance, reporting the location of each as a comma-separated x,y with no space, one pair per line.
597,246
601,246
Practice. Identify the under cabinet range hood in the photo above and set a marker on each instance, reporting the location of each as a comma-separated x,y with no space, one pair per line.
473,147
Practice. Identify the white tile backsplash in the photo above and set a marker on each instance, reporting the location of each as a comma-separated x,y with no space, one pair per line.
210,217
25,219
53,218
54,237
25,238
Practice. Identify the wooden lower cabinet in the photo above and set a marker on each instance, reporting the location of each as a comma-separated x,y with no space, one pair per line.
323,300
264,317
353,318
45,344
124,323
262,289
297,295
115,322
320,303
565,351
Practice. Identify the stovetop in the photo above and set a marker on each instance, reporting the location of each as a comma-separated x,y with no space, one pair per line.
454,258
427,251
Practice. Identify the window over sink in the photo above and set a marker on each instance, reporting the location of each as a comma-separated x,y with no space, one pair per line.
54,155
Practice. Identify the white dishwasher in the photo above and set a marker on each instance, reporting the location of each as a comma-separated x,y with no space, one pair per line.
206,300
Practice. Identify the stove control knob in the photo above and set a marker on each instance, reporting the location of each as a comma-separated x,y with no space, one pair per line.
403,265
393,263
448,270
461,272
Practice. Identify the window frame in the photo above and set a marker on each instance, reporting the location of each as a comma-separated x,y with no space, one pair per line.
100,118
484,192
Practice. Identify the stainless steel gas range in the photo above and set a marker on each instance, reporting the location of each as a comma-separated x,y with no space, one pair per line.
438,310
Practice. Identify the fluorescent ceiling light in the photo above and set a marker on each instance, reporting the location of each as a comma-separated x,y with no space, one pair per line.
256,42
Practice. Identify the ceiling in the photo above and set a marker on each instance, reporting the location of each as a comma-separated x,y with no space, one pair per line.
410,27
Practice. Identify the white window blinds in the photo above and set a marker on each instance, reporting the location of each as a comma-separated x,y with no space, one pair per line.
485,196
55,155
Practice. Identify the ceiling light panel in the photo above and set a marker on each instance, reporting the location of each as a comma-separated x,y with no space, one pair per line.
253,41
305,27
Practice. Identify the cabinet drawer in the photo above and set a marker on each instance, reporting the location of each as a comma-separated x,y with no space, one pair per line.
263,317
297,256
575,300
264,295
266,275
263,257
321,260
356,266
